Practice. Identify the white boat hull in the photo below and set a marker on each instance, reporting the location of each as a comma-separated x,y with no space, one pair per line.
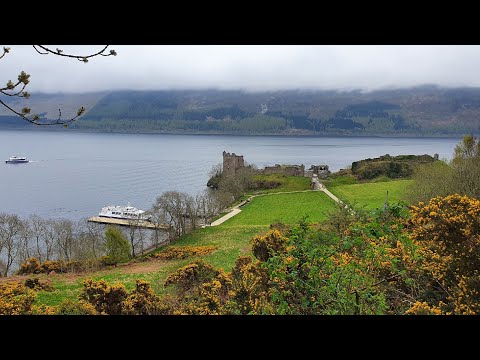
16,160
124,213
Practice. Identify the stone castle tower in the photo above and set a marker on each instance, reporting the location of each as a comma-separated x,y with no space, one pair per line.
232,163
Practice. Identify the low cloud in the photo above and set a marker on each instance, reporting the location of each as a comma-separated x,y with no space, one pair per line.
252,68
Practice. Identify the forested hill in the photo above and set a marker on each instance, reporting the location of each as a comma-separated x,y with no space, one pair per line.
426,110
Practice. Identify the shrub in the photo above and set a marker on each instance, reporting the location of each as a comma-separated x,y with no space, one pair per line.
191,276
265,246
71,307
107,299
116,246
143,301
37,285
447,232
43,310
33,266
16,299
52,265
182,252
249,286
30,266
264,184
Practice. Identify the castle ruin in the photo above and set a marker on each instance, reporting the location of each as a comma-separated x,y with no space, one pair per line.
289,170
321,171
232,163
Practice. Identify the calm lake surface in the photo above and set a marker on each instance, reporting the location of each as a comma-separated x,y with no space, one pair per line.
73,175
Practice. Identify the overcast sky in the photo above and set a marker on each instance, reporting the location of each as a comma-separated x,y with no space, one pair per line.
256,68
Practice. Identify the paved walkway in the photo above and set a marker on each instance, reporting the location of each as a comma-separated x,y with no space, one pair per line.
333,197
224,218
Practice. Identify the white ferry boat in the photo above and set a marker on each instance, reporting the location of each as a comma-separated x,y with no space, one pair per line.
16,160
124,212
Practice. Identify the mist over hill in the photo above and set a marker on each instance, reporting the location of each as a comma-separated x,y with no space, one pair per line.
425,110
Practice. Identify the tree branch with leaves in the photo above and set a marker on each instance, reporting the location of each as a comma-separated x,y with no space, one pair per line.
17,89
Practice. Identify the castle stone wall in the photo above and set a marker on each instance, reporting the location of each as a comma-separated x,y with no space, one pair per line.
232,163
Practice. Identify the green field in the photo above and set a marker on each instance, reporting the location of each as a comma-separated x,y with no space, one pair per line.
288,183
285,208
372,195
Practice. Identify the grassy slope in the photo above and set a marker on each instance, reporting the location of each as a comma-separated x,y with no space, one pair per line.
232,239
372,195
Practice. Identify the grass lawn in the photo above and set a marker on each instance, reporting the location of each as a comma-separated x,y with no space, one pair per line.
285,208
288,183
372,195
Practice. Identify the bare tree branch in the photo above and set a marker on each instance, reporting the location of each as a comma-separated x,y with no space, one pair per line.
36,120
83,58
5,51
23,78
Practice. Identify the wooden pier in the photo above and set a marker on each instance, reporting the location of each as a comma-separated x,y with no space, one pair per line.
123,222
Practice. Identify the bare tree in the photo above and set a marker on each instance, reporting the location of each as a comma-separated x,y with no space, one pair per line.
175,207
216,170
17,88
38,232
235,184
10,240
49,237
210,203
88,244
157,218
63,230
93,237
27,250
134,234
193,211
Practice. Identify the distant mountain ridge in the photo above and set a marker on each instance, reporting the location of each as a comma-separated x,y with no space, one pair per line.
424,110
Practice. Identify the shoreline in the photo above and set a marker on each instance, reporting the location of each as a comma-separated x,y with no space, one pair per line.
277,135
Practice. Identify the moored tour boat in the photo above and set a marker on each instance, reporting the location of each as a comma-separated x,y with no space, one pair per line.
124,212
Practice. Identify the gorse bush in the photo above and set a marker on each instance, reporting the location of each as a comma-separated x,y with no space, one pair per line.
102,298
33,266
265,246
16,299
107,299
143,301
72,307
37,284
183,252
30,266
447,233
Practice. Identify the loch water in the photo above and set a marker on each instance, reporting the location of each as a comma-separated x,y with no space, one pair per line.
73,175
